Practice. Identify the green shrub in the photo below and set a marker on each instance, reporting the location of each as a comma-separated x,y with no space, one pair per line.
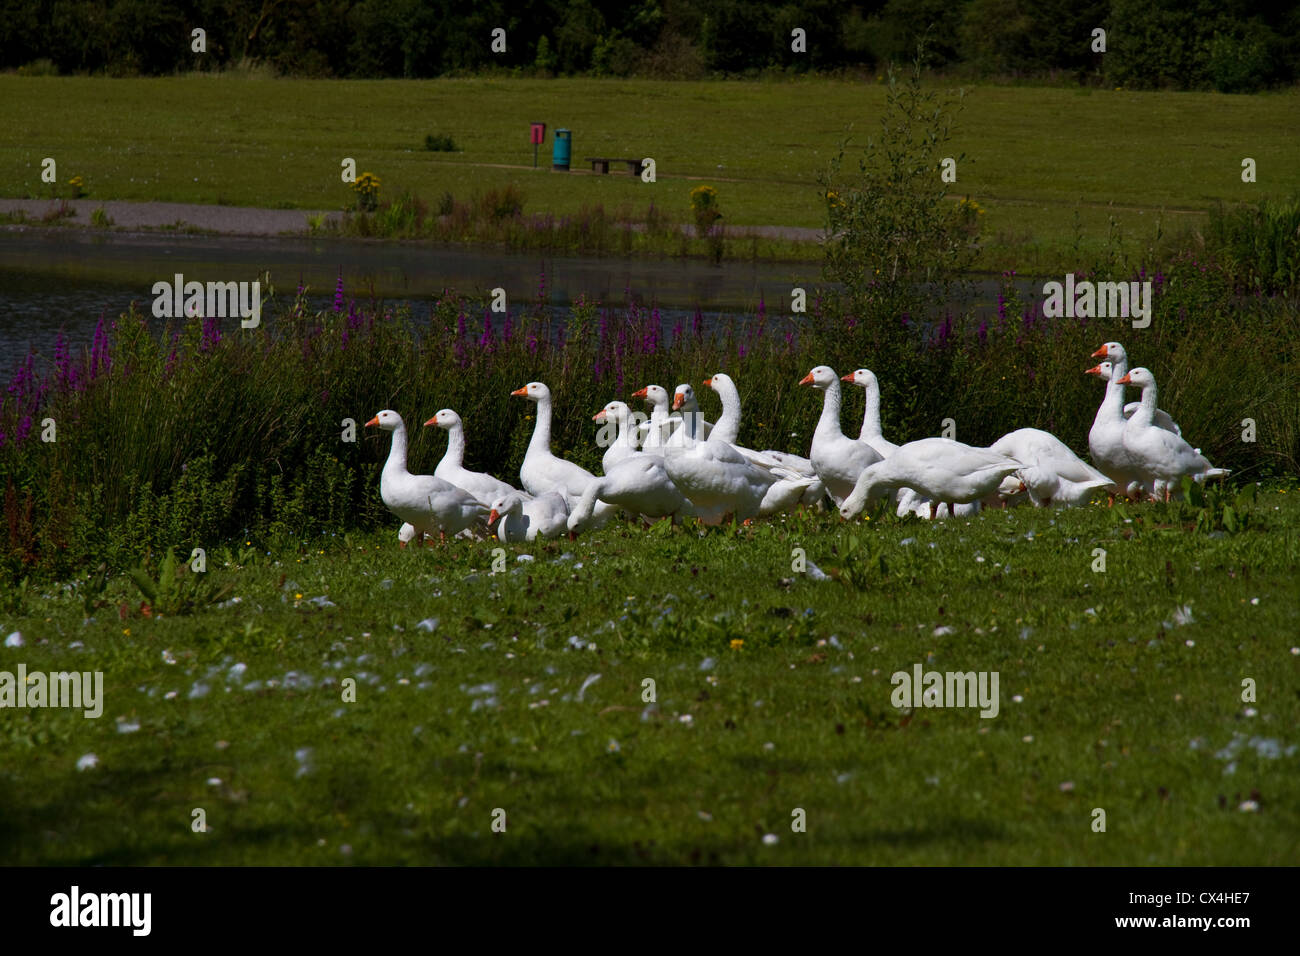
439,143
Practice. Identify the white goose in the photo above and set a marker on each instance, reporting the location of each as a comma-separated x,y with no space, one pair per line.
663,424
1052,474
717,479
426,503
520,517
837,459
941,469
617,434
1118,358
541,470
727,428
639,484
871,433
1162,458
1106,371
452,467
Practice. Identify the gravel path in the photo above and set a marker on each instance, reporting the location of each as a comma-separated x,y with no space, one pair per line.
228,220
250,221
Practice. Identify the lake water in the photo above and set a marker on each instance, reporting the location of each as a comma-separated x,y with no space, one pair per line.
54,281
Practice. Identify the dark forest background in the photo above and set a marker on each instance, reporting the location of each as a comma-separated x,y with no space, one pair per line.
1227,45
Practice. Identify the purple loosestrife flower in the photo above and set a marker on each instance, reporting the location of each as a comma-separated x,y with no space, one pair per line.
485,340
541,286
697,323
24,429
338,292
789,341
982,333
1002,306
677,331
507,330
212,334
945,332
99,357
22,379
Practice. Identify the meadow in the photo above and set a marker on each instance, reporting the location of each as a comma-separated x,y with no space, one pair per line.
677,694
524,690
1060,173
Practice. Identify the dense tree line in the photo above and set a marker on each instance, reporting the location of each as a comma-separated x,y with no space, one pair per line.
1228,45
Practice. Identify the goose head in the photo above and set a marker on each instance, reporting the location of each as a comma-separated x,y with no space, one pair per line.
506,504
1102,371
1112,351
684,399
1139,378
655,395
533,391
720,381
863,377
387,420
445,418
823,376
616,412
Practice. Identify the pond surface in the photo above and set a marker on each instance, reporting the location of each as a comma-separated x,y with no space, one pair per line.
54,281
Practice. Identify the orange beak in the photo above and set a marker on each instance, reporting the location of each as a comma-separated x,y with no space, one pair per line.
642,393
806,380
1123,381
432,421
843,378
1100,353
521,392
373,421
677,401
708,382
492,516
599,416
1095,370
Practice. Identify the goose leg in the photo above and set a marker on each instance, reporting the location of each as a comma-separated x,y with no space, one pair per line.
934,510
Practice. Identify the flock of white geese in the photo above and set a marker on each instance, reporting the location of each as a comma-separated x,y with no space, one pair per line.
674,464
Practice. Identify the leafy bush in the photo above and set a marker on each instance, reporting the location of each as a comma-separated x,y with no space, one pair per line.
439,143
1260,243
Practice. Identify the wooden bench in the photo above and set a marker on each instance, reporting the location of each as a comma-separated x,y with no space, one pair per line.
601,165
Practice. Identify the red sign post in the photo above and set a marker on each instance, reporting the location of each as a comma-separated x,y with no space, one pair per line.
537,134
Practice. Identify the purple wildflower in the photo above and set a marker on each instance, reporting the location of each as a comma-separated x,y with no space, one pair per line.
338,292
99,357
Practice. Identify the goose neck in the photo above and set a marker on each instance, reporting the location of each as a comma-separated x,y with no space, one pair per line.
871,416
831,402
397,451
455,446
541,441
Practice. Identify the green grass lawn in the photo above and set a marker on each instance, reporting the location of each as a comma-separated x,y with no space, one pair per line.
1039,157
1119,690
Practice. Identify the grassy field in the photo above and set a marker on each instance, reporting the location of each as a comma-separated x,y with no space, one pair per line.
1119,690
1050,166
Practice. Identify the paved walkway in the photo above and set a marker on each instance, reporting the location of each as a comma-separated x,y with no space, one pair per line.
250,221
228,220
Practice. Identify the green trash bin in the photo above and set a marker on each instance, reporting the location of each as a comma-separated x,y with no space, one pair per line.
562,150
